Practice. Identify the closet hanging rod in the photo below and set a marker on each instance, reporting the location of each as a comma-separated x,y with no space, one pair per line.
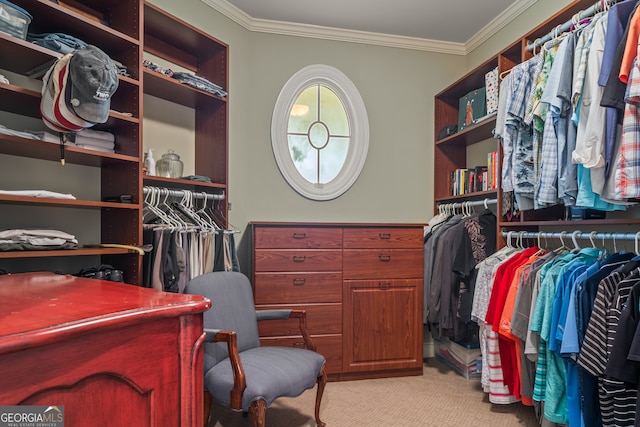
469,203
181,193
574,235
592,10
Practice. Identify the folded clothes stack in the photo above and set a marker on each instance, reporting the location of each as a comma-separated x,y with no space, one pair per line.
36,239
199,83
94,140
86,138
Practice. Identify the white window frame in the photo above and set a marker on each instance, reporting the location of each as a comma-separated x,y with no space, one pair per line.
342,86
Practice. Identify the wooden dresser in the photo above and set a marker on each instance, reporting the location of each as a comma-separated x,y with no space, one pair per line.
109,353
361,285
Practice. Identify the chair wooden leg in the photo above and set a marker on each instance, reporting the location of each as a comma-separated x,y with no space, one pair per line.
207,408
258,411
322,381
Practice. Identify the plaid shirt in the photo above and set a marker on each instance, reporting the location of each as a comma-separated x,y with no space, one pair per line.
627,176
580,63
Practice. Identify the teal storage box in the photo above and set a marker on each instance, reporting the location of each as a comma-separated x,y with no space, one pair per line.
14,20
472,109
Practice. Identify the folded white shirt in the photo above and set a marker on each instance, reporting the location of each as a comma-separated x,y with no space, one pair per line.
93,147
96,134
38,193
102,143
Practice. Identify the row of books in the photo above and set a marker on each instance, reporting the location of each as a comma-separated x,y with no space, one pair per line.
478,178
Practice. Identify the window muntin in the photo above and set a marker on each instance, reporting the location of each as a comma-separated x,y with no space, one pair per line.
318,134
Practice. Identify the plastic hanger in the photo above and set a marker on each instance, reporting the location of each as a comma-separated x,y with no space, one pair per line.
202,211
574,236
153,206
563,247
175,220
540,250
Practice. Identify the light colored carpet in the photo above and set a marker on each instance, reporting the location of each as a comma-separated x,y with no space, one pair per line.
438,398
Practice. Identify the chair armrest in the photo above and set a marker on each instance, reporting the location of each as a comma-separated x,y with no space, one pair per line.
239,378
210,334
290,314
273,314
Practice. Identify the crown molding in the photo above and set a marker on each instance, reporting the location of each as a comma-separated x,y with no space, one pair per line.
354,36
365,37
498,23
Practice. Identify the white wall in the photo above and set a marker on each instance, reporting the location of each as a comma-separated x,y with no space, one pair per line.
397,85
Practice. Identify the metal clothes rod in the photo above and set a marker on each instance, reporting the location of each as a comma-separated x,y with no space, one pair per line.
597,7
180,193
572,235
469,203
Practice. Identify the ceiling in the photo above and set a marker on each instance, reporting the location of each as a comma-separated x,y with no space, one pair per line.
444,21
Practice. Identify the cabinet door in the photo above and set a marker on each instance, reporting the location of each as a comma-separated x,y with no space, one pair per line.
107,377
382,325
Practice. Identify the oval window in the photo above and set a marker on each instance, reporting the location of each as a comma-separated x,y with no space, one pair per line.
320,132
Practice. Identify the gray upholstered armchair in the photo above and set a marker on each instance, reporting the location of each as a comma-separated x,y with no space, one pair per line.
238,372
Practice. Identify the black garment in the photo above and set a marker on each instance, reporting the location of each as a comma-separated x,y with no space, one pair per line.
170,270
147,259
218,259
477,243
613,95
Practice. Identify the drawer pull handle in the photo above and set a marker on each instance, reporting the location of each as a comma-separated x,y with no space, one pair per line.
299,344
384,258
385,236
299,258
384,285
299,235
298,282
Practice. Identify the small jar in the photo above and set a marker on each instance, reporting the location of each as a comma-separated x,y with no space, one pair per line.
170,165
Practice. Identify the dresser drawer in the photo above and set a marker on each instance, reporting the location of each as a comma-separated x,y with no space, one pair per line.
330,346
383,284
383,263
298,260
291,288
321,319
392,238
297,238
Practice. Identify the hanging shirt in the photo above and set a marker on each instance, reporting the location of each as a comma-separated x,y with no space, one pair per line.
630,49
548,189
589,150
567,175
627,183
619,15
614,396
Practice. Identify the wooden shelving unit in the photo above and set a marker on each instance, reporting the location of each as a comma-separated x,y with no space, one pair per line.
124,29
451,152
180,43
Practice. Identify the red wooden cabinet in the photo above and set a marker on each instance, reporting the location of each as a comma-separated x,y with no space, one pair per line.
110,353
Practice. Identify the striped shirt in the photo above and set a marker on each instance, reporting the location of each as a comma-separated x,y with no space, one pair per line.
617,399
